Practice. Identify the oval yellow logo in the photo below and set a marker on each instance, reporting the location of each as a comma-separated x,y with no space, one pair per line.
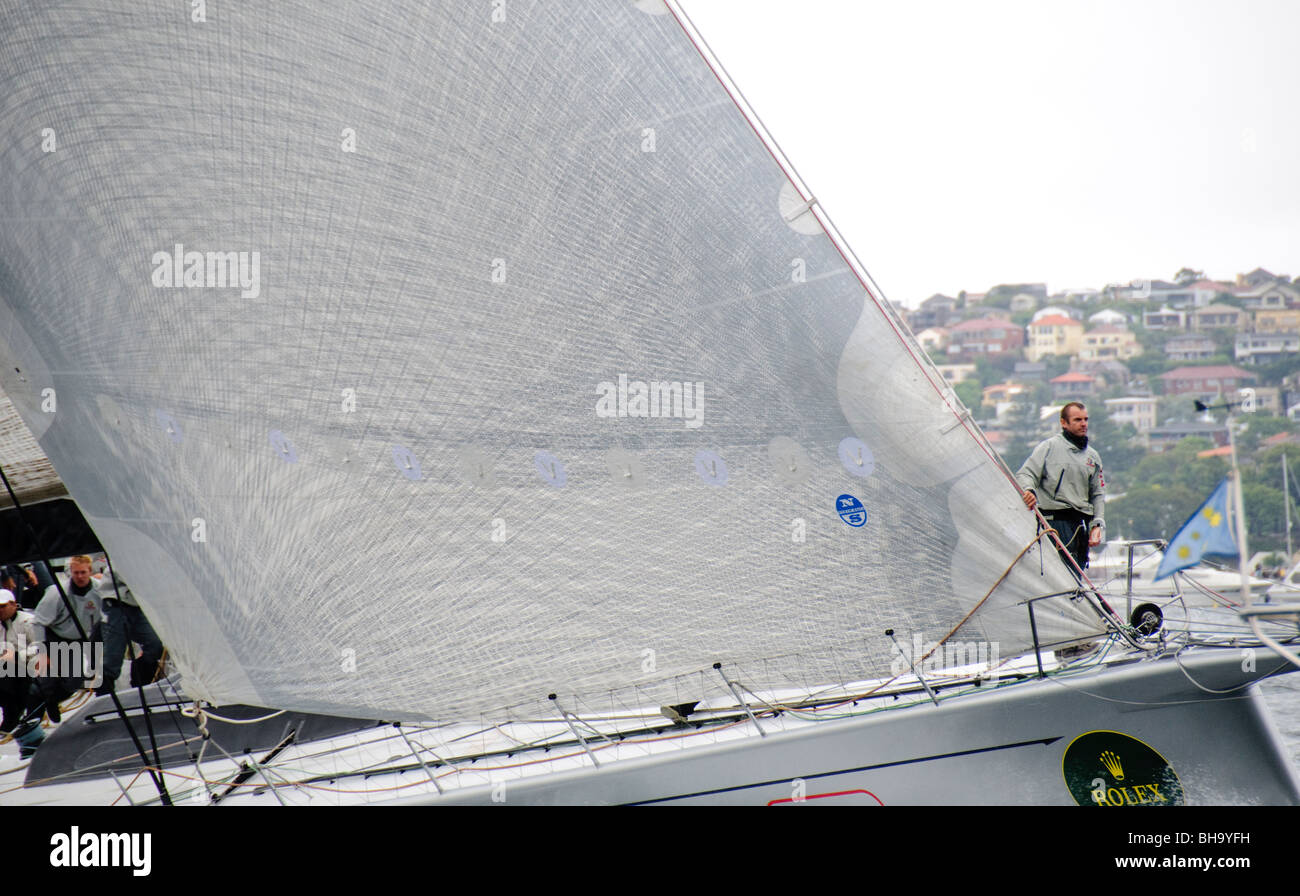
1106,768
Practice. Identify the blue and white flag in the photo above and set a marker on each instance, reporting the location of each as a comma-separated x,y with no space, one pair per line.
1206,532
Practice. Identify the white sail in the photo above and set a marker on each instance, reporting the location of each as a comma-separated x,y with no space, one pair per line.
349,315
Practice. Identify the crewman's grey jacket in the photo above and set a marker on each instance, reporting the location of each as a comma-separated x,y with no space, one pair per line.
53,620
1065,478
19,635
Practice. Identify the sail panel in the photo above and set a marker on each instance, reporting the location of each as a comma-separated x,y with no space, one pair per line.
423,361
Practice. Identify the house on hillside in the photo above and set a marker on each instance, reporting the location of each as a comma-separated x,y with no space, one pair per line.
1074,385
1136,410
956,373
1257,277
985,336
937,311
1210,380
1215,317
1173,294
1109,342
1108,317
1022,301
1265,348
1190,347
1002,393
1053,335
1031,371
1265,400
1108,372
1049,311
1269,296
1165,319
1277,320
1206,292
935,340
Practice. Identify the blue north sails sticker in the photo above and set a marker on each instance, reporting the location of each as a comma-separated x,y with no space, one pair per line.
851,511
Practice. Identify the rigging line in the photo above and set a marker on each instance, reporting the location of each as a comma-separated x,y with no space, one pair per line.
127,788
173,715
1186,675
193,712
252,766
104,765
1083,576
144,700
1221,599
704,729
38,543
1139,702
424,765
1286,654
975,609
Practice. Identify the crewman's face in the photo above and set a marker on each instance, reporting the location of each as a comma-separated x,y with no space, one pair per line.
80,573
8,610
1076,424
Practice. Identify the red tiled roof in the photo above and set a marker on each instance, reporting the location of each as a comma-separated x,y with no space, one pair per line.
1074,377
981,323
1215,452
1055,320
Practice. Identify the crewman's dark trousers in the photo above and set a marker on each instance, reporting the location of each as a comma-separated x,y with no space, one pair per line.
1072,527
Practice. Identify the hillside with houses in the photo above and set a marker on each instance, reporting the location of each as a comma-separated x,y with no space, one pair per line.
1140,356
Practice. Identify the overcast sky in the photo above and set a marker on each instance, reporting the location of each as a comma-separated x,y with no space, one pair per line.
957,145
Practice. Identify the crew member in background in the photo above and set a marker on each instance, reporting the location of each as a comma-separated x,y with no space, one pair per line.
54,625
18,694
1063,479
34,579
124,623
22,581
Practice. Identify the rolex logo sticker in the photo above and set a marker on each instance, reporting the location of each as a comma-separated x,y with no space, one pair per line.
1106,768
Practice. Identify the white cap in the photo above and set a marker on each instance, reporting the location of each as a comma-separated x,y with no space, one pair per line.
6,596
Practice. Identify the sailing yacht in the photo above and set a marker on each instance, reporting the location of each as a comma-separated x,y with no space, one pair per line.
382,493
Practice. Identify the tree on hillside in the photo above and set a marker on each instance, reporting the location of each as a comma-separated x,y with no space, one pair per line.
970,393
991,369
1056,365
1024,429
1188,275
1167,488
1119,446
1265,517
1259,427
1273,372
1180,466
1151,511
1175,409
1266,467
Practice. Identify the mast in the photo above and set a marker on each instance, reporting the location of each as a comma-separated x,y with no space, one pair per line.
1238,511
1286,507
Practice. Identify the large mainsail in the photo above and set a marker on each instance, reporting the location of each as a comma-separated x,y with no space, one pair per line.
349,316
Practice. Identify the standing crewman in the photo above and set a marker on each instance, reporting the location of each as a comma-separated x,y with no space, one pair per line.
1063,479
124,623
60,634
